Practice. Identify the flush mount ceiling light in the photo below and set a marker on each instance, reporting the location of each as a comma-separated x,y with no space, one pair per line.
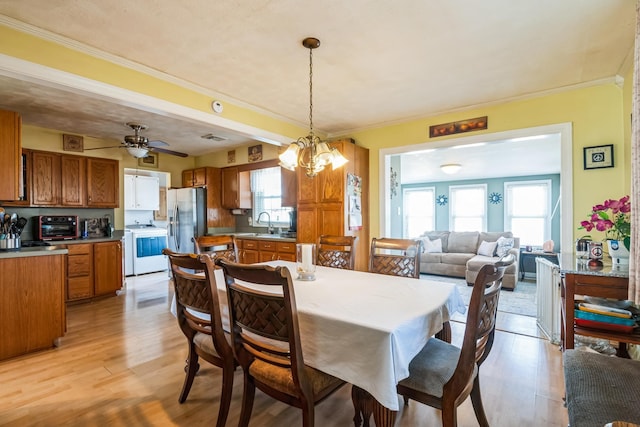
450,168
309,151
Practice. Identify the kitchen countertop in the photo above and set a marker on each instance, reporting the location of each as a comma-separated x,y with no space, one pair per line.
263,236
34,251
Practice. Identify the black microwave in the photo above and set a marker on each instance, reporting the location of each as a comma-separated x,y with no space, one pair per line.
56,227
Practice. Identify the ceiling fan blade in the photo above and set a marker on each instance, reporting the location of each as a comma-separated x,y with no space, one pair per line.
102,148
163,150
157,144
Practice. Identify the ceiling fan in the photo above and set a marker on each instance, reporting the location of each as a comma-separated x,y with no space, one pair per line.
139,146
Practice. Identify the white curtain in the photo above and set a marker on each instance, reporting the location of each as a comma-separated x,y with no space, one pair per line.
634,268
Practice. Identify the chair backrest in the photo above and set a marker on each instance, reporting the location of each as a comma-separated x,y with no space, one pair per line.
336,251
222,246
197,298
481,321
395,257
264,322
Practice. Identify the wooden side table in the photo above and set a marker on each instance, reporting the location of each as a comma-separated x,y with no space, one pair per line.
603,283
528,260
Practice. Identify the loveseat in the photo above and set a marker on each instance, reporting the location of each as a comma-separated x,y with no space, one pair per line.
463,253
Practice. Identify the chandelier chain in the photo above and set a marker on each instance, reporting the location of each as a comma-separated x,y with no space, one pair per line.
311,91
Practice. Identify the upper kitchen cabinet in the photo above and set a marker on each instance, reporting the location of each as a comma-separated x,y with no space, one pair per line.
102,183
325,201
142,192
289,188
10,155
211,178
194,177
236,188
57,180
73,190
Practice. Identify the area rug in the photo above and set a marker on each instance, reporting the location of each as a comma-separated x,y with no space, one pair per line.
520,301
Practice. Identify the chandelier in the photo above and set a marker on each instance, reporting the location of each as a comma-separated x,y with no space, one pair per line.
309,152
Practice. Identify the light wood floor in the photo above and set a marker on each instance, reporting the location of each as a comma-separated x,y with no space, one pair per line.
121,364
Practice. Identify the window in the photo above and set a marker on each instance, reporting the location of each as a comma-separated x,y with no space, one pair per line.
468,211
527,211
266,192
419,211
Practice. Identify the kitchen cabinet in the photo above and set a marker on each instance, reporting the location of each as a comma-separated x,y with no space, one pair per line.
288,188
236,188
93,269
217,216
102,183
107,262
57,180
73,181
252,251
32,310
141,192
10,155
323,203
194,177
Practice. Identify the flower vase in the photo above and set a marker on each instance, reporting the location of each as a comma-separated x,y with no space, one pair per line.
618,252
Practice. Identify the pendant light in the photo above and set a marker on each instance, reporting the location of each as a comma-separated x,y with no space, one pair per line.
309,152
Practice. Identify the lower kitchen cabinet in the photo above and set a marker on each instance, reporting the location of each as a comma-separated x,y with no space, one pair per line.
252,251
93,269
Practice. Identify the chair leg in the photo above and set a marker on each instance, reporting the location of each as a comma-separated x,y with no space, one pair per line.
191,368
406,400
476,400
363,405
225,397
248,394
308,415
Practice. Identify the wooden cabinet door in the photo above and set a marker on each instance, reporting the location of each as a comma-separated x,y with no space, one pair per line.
79,271
102,183
45,176
73,179
230,188
10,155
187,178
330,219
200,177
107,264
307,224
250,256
289,188
307,187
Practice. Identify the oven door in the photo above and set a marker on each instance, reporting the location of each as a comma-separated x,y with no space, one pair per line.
147,252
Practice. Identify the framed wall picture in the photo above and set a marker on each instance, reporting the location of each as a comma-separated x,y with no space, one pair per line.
255,153
72,143
151,161
597,157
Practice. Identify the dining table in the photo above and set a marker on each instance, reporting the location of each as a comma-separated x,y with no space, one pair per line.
365,328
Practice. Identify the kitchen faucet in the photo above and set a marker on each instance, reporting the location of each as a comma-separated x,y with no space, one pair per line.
269,227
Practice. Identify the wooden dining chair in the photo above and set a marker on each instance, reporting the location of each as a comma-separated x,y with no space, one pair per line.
395,257
199,318
217,246
443,375
266,337
336,251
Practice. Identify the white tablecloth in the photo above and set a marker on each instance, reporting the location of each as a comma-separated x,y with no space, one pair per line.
365,328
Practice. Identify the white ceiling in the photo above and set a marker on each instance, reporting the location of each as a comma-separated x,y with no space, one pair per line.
380,62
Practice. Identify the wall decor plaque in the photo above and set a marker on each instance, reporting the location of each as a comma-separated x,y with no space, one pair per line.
468,125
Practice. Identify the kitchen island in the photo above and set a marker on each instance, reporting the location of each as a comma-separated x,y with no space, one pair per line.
32,308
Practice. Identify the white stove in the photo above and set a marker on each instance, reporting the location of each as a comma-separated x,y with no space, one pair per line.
147,245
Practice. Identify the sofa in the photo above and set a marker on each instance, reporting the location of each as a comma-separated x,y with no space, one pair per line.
463,253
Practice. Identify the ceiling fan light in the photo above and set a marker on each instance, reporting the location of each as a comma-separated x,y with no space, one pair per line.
138,152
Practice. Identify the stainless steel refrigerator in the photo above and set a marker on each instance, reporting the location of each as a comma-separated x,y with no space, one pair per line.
187,209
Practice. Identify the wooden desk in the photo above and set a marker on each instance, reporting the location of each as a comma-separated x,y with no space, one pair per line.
607,282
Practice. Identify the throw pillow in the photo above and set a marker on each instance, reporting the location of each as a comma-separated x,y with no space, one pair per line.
503,246
432,246
487,248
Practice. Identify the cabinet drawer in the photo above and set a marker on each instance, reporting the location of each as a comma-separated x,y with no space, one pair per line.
288,247
79,287
287,256
250,244
83,248
267,246
78,265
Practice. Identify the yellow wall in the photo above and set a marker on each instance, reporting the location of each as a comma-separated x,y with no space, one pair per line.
596,115
599,114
